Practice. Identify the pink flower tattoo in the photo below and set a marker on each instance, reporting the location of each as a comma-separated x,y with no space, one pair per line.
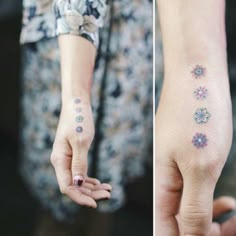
198,72
201,93
199,140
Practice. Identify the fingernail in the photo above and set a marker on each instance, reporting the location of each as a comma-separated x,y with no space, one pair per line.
78,180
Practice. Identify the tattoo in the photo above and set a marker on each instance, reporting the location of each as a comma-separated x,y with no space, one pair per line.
198,72
79,129
199,140
201,93
78,109
77,101
201,115
79,118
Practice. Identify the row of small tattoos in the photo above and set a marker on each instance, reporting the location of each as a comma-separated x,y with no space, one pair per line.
201,115
79,118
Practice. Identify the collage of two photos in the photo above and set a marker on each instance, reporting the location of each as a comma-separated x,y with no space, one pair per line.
117,118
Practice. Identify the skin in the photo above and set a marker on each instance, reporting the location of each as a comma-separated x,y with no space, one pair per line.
222,205
186,176
70,149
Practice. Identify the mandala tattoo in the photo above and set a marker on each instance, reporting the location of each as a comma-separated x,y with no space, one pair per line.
77,101
199,140
79,118
79,129
78,109
198,72
201,115
201,93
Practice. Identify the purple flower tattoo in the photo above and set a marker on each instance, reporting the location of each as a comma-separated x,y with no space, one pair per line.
198,72
78,109
79,129
199,140
201,93
201,115
77,101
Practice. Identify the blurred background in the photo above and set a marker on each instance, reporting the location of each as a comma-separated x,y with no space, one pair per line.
19,211
227,182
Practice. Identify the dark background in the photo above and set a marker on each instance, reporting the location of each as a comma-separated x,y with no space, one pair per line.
18,210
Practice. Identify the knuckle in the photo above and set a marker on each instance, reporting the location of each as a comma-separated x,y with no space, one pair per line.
85,140
203,167
194,220
53,159
211,168
79,166
63,190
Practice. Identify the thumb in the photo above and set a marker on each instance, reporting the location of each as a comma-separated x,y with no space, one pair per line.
196,206
79,164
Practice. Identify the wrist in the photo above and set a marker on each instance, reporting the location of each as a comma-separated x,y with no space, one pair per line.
69,99
193,30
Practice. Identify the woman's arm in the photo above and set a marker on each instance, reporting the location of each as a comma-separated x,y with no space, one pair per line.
78,33
188,164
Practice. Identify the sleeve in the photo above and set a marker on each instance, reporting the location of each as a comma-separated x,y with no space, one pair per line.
80,17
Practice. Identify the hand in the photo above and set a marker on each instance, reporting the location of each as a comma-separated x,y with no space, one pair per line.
220,206
185,175
69,156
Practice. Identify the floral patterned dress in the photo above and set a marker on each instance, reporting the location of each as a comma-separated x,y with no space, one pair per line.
121,93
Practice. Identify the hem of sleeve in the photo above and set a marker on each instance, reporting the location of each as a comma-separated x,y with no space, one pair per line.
63,28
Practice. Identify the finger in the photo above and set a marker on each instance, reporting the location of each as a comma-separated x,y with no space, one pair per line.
222,205
85,190
106,187
196,205
83,197
100,194
92,181
215,230
79,164
61,160
228,228
168,194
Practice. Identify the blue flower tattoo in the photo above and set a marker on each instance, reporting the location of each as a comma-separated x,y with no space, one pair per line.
201,115
198,72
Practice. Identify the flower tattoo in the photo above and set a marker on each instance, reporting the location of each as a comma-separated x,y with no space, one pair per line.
201,93
78,109
201,115
198,72
78,118
199,140
77,101
79,129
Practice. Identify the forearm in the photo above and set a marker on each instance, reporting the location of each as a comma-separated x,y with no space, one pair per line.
193,32
77,65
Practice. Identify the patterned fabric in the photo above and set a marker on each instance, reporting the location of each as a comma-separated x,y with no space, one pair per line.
121,102
79,17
